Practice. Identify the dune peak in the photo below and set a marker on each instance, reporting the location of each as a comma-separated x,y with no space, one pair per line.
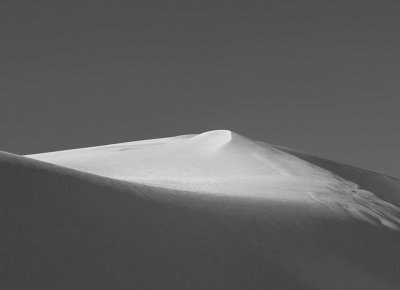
215,137
218,140
210,140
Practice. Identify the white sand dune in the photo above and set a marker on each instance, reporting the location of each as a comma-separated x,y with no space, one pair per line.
225,163
209,211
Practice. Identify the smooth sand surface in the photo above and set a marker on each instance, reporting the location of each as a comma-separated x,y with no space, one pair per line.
92,226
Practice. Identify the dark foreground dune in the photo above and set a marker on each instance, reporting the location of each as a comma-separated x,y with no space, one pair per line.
64,229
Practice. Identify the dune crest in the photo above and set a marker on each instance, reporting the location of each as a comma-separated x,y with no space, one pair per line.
212,140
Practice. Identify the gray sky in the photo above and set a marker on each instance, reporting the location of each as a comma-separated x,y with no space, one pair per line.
318,76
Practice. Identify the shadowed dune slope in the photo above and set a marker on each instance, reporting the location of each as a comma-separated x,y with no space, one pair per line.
386,187
65,229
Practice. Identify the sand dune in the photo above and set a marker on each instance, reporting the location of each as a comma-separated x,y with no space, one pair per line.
225,163
210,211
